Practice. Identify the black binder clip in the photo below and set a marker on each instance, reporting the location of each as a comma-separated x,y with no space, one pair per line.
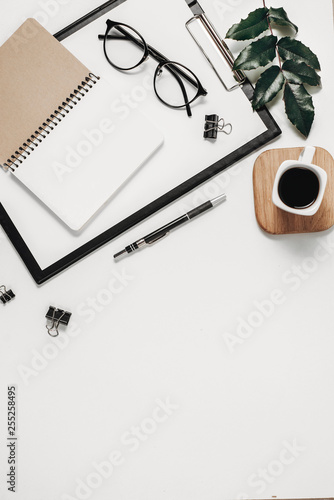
56,317
213,125
6,295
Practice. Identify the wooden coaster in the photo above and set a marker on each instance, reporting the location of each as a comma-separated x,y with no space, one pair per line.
273,220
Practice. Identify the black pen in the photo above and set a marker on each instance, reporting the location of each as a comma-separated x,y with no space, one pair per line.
164,230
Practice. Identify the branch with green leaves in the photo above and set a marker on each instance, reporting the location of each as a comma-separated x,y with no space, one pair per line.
296,66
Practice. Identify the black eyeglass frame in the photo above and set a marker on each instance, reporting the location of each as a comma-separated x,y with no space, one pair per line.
172,66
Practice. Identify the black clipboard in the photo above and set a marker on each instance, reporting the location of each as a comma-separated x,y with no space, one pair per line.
42,275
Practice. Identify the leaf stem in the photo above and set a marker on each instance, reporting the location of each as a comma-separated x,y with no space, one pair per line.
271,31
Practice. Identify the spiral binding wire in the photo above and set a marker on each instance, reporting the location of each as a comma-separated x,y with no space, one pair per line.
50,123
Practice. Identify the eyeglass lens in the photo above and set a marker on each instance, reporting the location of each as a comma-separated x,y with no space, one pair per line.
173,86
124,47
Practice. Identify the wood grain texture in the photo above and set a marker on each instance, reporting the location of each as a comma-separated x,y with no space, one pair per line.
273,220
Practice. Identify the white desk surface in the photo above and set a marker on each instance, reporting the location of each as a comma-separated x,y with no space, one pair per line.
199,368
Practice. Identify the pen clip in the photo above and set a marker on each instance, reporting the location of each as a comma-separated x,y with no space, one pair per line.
158,238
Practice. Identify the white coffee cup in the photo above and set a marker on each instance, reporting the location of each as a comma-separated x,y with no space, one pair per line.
303,189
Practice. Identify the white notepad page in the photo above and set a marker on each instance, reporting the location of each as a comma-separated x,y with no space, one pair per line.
88,156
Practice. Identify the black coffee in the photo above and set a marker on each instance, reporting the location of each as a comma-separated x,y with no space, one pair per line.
298,187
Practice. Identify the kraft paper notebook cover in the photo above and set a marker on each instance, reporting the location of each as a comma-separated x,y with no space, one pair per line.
58,133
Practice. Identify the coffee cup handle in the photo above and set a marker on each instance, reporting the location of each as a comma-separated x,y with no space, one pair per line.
306,156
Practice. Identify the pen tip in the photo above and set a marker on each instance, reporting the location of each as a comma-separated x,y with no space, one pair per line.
119,254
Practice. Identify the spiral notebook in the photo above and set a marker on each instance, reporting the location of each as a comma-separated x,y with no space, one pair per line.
59,134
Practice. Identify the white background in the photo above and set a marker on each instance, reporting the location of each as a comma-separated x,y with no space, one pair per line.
157,326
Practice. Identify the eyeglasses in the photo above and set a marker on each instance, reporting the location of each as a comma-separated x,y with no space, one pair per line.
174,84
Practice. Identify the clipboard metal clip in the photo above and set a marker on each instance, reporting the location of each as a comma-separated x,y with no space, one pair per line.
215,50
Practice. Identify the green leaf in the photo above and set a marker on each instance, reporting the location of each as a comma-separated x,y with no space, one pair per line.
299,107
299,72
269,84
258,53
280,17
288,48
251,27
